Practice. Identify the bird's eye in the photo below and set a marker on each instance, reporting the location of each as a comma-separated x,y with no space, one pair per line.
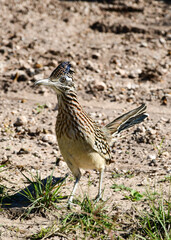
62,79
65,79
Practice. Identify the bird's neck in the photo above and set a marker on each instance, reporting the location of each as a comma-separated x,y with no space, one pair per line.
71,113
68,102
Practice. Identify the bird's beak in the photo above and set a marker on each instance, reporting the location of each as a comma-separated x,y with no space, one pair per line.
45,82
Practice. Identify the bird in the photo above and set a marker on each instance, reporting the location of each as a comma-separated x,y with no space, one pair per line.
83,143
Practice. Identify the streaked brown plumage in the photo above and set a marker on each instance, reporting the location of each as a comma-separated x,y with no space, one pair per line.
82,142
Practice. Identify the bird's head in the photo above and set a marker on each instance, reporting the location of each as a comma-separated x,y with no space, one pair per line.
60,79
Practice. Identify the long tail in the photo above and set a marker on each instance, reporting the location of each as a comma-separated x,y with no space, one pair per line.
126,121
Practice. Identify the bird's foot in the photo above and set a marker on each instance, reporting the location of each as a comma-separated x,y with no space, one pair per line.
70,203
97,198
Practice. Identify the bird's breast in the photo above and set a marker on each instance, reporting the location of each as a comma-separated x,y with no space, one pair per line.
79,153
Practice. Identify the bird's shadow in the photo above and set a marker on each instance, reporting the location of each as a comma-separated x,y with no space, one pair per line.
20,200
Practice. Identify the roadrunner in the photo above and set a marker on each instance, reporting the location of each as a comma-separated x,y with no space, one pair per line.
82,142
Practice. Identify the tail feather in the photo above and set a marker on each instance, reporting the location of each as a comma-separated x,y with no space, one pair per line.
132,121
127,120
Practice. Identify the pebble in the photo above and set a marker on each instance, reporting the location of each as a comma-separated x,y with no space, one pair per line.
62,164
166,154
24,64
32,121
151,131
92,66
151,157
168,36
54,152
36,154
143,44
48,105
23,151
20,129
50,138
73,63
20,121
131,85
134,73
53,63
122,72
96,55
30,72
20,76
141,129
99,85
162,40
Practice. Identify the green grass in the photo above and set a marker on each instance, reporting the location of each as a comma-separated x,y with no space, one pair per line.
155,223
92,219
167,178
40,107
90,222
160,148
45,233
3,167
43,196
3,188
128,174
133,196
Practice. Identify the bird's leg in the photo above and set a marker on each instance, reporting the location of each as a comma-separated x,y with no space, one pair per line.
74,188
98,197
77,174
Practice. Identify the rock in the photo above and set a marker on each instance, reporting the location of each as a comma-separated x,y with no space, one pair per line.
36,154
162,40
19,76
2,67
30,72
99,85
20,121
55,152
143,44
134,73
48,105
151,131
166,154
95,56
24,64
122,72
73,63
52,63
92,66
32,121
50,138
151,156
23,151
22,78
38,65
168,36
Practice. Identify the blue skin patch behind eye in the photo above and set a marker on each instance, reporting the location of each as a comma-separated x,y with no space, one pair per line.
62,69
67,70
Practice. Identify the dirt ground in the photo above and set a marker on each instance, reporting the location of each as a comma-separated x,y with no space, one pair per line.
120,52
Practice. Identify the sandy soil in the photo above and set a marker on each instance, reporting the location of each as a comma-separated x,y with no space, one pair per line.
121,52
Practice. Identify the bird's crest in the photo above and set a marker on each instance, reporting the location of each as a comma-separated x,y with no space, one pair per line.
63,69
